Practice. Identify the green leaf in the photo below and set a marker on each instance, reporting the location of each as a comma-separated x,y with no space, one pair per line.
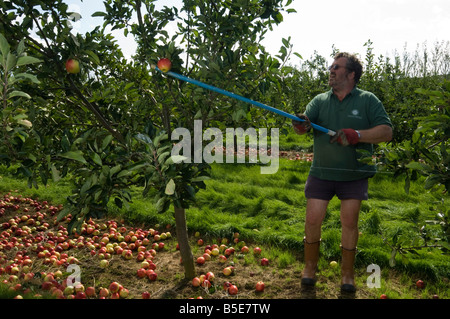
97,159
175,159
99,14
200,178
106,141
19,93
170,187
94,57
11,61
392,259
4,46
75,155
55,173
23,60
28,76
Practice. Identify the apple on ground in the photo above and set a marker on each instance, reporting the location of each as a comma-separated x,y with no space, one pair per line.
151,274
264,262
383,296
420,284
233,290
206,283
260,286
104,292
145,295
333,264
141,272
200,260
90,291
227,271
257,251
210,276
196,282
124,292
222,259
80,295
104,263
114,287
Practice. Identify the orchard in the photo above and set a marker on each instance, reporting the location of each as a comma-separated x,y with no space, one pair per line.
79,115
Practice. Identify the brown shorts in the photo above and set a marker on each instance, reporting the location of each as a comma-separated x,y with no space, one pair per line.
322,189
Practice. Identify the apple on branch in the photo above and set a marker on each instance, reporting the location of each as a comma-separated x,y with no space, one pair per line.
164,65
72,66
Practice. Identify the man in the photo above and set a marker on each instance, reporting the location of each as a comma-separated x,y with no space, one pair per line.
360,120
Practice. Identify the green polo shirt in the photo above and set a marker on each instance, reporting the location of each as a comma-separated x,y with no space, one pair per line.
359,110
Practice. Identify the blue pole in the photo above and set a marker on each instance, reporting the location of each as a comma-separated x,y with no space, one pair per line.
244,99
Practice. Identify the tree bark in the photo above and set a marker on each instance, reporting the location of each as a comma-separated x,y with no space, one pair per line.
183,241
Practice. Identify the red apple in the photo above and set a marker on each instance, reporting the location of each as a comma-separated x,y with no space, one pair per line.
420,284
152,275
206,283
141,272
145,295
383,296
114,287
164,64
72,66
200,260
196,282
257,250
260,286
90,291
210,276
103,293
264,262
80,295
232,290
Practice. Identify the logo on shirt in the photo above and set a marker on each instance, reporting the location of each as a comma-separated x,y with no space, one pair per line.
355,114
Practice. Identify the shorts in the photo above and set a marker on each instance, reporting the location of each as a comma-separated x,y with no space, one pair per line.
322,189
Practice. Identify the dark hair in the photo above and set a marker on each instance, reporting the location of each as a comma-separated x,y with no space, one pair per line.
353,64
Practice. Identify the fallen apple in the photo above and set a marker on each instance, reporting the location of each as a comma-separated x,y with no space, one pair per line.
420,284
233,290
260,286
264,262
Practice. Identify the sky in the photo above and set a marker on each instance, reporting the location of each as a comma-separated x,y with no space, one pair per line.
391,25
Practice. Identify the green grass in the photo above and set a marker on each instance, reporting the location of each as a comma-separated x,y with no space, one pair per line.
270,209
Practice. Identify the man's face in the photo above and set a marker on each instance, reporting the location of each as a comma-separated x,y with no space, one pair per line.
339,74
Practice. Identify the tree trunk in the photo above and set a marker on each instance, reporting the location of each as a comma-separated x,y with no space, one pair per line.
183,241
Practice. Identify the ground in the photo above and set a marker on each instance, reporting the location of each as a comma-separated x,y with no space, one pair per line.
22,239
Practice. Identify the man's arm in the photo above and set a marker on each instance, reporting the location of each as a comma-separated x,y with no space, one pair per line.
375,135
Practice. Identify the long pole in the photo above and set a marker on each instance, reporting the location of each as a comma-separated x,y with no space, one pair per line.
244,99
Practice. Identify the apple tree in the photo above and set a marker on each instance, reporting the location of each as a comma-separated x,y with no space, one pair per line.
107,126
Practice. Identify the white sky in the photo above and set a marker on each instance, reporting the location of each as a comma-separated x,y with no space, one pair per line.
319,24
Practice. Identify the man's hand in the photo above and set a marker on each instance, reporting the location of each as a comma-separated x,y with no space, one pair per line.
301,127
346,136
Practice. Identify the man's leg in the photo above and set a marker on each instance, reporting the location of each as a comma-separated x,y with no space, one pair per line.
349,220
315,213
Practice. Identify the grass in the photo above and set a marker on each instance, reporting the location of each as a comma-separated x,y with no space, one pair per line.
270,209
